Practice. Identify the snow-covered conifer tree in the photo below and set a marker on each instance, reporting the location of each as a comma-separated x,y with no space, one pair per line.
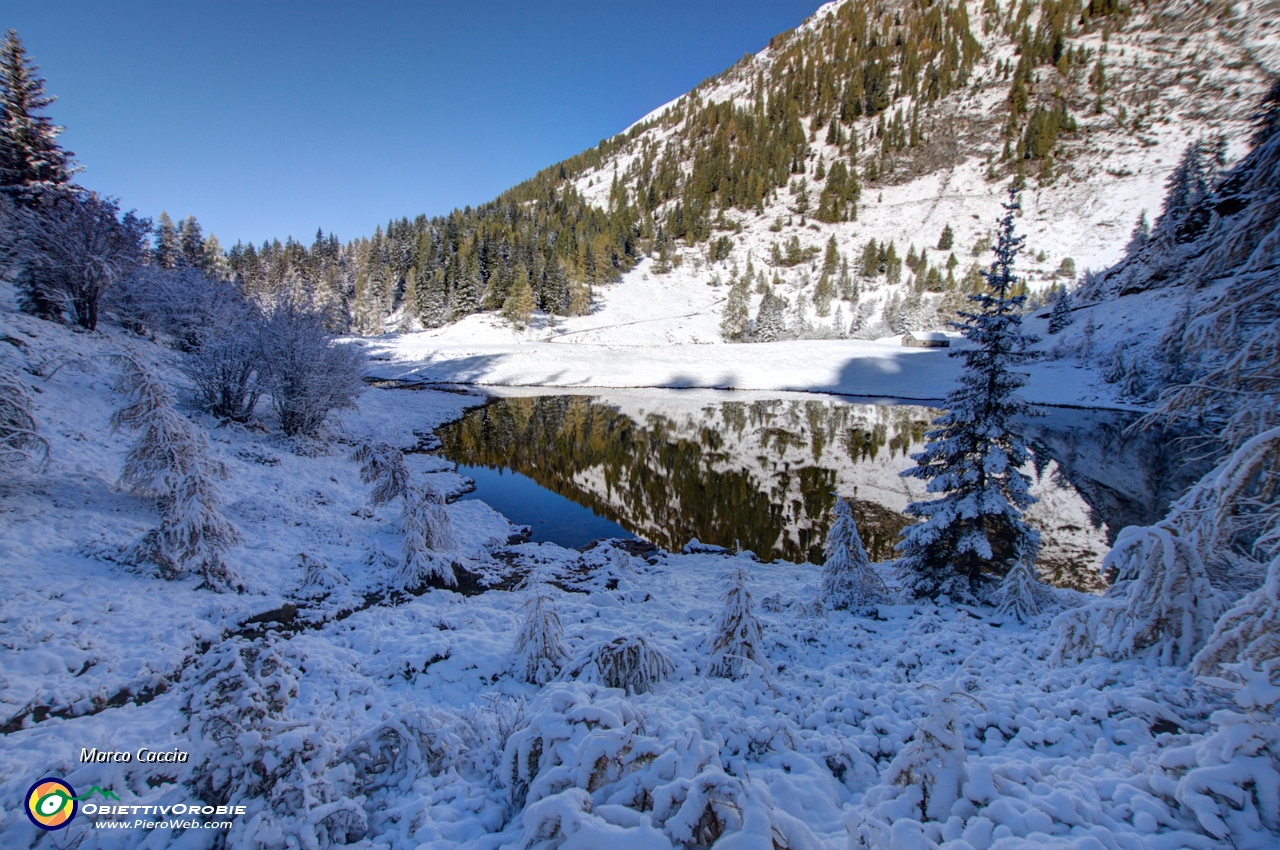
967,535
1060,317
737,317
1140,236
771,319
737,643
170,461
32,163
19,437
848,581
539,649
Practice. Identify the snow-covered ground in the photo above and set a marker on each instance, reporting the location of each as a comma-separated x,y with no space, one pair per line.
633,341
400,723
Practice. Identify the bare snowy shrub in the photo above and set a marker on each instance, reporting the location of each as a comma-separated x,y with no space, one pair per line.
737,644
250,753
1018,593
169,461
227,374
20,439
307,372
1230,779
539,649
925,778
69,249
184,303
630,663
848,580
1247,634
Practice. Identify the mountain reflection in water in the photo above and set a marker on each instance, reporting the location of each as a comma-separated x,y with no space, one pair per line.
762,473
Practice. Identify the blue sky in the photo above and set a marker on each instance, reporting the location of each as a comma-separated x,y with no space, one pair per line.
265,119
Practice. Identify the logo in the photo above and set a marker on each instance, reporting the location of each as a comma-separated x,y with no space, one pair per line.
52,803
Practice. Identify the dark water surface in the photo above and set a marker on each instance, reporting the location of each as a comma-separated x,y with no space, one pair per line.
762,473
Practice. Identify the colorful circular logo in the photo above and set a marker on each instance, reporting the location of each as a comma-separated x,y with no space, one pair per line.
51,803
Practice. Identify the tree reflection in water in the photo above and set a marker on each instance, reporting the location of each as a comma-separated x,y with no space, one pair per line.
762,473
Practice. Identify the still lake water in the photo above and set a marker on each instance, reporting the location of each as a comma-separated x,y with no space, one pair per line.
737,469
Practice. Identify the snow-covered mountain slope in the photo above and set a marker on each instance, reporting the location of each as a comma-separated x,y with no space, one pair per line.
1175,73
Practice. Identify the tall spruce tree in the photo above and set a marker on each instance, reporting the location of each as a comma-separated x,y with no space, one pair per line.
32,163
974,531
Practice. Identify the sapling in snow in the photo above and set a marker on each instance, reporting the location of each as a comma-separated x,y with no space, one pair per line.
848,580
423,520
539,650
925,778
1018,592
737,644
169,461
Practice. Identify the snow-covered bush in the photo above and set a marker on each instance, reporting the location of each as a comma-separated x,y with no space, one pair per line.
1175,578
170,461
1162,602
20,439
250,753
320,578
227,373
397,752
848,580
307,372
424,521
925,778
1231,778
68,249
737,644
538,649
633,664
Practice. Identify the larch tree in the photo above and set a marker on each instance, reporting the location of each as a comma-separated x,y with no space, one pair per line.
973,532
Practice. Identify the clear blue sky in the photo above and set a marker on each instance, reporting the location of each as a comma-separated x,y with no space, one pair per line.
265,119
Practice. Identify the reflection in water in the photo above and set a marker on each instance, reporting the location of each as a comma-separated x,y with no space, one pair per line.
762,473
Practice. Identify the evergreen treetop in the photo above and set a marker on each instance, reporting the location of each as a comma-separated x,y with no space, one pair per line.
31,161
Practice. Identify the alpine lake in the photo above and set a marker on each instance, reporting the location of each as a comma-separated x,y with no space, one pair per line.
761,473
